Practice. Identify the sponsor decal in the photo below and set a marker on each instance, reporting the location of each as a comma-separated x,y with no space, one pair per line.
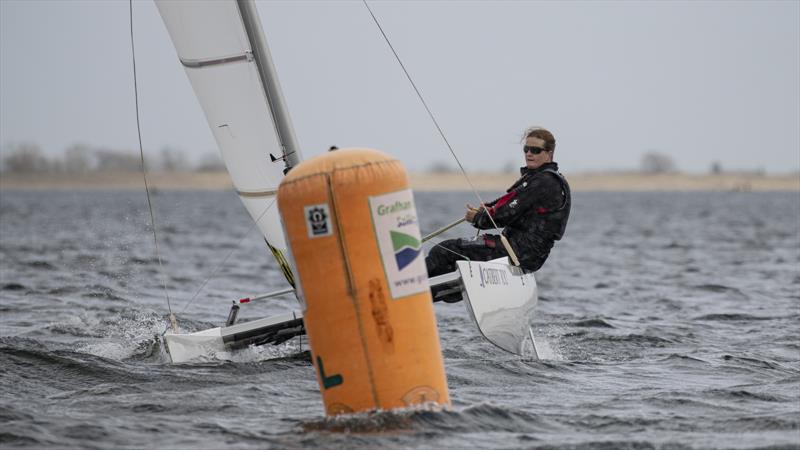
406,248
394,219
406,219
318,220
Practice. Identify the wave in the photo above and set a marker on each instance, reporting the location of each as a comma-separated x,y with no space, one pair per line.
44,265
731,317
64,290
676,357
119,335
637,339
483,417
591,323
718,288
102,292
780,422
754,362
33,364
742,394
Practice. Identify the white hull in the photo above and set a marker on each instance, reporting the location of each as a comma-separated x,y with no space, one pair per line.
269,330
500,299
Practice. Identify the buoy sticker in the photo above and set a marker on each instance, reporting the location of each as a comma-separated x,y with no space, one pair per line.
394,218
318,220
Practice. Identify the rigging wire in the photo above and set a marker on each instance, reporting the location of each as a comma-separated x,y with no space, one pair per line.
225,260
444,138
144,171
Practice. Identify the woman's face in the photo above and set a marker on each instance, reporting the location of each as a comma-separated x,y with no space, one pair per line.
534,161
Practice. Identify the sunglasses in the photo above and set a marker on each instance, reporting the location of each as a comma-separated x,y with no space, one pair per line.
534,150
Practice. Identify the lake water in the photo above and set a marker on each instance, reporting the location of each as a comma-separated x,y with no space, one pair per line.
667,320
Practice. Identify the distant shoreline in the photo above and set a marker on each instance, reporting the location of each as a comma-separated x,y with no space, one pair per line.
431,182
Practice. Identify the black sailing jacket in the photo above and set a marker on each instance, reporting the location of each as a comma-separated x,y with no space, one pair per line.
534,213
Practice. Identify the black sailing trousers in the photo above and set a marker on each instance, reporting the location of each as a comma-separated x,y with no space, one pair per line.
442,258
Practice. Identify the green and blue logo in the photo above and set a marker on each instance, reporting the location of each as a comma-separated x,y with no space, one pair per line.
406,248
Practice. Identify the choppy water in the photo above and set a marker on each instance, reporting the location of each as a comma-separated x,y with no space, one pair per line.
669,321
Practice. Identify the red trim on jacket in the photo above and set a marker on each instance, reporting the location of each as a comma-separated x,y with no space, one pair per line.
502,201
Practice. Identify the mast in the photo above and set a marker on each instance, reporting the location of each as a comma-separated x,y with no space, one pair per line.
269,79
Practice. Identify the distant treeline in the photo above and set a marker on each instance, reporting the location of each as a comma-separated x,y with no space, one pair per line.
651,162
28,157
81,158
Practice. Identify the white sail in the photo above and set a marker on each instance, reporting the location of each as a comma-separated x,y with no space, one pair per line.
240,97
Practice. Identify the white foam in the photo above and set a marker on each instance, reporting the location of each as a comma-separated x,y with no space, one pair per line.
122,336
544,349
109,350
262,352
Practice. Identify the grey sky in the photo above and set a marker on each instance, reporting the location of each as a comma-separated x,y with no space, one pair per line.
702,81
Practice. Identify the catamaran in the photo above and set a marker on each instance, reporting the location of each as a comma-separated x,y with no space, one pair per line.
224,52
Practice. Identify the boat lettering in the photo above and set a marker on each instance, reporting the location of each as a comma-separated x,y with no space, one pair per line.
493,276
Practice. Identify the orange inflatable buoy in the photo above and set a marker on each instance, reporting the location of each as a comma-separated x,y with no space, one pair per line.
352,230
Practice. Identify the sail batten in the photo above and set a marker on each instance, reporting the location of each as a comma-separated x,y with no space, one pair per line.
200,63
257,194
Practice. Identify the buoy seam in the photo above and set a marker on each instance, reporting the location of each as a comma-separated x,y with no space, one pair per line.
351,287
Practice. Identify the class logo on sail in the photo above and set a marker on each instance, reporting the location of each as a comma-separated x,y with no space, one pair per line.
406,248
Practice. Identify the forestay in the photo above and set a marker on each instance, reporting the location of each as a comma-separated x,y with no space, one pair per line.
221,47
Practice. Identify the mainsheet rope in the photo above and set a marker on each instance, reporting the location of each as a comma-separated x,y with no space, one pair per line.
444,138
